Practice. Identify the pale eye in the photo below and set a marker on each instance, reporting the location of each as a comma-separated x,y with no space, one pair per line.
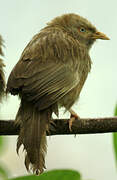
82,29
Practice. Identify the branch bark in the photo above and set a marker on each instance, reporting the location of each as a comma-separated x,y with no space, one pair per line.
60,126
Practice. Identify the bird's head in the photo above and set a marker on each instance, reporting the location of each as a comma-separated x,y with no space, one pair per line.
80,28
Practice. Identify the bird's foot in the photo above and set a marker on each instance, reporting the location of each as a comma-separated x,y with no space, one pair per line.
73,117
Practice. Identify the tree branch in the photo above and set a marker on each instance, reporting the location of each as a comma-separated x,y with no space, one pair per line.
60,126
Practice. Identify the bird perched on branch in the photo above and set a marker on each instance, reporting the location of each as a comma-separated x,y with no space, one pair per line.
49,74
2,76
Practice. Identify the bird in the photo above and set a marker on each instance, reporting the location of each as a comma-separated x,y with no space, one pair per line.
49,75
2,74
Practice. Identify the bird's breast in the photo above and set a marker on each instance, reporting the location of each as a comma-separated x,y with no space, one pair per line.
81,69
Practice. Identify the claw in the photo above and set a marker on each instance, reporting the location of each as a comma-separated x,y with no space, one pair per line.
70,123
73,117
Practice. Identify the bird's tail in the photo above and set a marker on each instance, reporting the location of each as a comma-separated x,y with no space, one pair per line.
33,126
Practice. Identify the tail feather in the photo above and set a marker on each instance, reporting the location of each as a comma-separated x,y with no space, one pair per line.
33,126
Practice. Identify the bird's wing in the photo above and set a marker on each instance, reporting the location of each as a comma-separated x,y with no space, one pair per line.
42,82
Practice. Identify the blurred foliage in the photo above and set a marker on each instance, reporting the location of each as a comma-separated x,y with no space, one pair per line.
1,144
3,171
54,175
115,138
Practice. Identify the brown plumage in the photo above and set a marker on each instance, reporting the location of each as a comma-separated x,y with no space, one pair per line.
2,76
50,73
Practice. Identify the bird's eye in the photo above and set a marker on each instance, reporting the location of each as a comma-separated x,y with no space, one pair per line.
82,29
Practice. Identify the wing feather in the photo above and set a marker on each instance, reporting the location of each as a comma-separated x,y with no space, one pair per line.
44,82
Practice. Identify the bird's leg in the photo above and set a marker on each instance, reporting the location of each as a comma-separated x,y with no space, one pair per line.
72,118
